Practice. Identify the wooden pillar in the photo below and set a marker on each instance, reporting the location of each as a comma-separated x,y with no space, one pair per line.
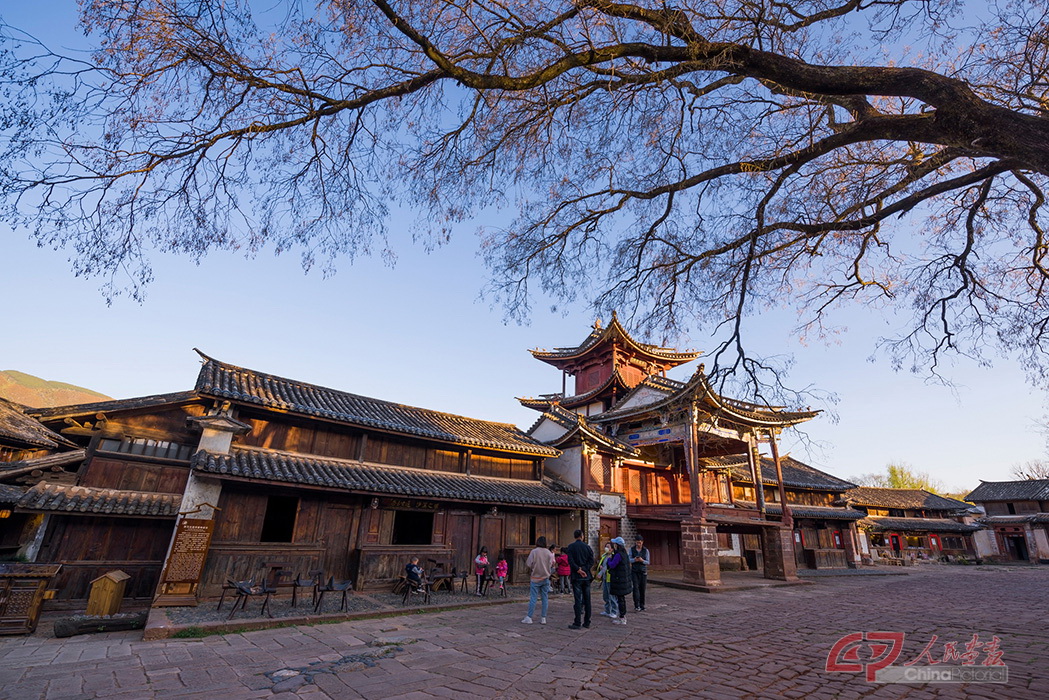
469,459
697,505
788,517
754,457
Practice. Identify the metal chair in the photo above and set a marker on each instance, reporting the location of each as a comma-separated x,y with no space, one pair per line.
333,586
311,581
423,588
248,589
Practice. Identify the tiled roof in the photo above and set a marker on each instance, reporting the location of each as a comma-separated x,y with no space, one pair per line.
248,386
82,409
19,428
10,494
917,499
1024,490
1016,519
795,474
886,524
698,388
614,381
64,498
9,470
270,465
803,511
575,425
615,331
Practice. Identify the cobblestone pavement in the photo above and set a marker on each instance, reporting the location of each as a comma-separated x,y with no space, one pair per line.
766,643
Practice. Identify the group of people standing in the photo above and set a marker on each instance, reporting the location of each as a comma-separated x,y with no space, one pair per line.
619,571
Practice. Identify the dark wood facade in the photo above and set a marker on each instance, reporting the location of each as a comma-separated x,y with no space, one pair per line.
340,483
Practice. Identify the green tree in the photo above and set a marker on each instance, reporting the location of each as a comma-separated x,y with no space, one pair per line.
900,475
689,164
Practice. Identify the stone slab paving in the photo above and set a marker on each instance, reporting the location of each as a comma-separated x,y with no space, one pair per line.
764,643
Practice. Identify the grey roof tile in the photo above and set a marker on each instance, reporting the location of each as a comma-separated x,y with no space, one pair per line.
248,386
271,465
64,498
916,499
1022,490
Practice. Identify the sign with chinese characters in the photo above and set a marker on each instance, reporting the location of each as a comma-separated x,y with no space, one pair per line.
185,564
407,504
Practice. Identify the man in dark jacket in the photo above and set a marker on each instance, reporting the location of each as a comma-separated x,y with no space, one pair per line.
639,560
581,560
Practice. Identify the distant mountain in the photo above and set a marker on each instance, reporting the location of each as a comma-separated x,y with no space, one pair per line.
40,393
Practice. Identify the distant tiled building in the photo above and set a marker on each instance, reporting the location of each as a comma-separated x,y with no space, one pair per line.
913,523
1017,516
825,534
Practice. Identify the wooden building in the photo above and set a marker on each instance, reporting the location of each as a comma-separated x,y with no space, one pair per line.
913,524
650,450
825,534
29,453
1017,518
252,472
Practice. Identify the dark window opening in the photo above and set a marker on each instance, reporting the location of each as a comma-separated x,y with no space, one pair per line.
412,527
1012,508
279,523
531,530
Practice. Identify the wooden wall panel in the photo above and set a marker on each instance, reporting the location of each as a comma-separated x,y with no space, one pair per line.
88,547
241,516
130,475
446,461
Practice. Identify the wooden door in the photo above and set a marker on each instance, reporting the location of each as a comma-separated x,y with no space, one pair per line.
894,541
335,533
799,550
492,536
461,539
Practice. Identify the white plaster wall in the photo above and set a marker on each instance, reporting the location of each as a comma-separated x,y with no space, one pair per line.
645,395
548,431
1042,542
986,543
566,467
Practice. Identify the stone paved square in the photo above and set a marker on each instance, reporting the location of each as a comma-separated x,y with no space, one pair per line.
762,643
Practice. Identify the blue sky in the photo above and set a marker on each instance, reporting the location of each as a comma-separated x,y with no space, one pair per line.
417,333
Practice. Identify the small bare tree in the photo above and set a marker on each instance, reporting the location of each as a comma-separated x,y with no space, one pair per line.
1032,469
693,163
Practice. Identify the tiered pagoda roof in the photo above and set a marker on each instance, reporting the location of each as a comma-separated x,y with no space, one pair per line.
669,394
615,334
578,428
615,385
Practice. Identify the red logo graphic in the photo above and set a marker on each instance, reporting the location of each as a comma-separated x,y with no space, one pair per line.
885,648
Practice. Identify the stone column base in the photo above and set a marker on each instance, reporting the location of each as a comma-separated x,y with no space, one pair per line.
699,553
777,549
